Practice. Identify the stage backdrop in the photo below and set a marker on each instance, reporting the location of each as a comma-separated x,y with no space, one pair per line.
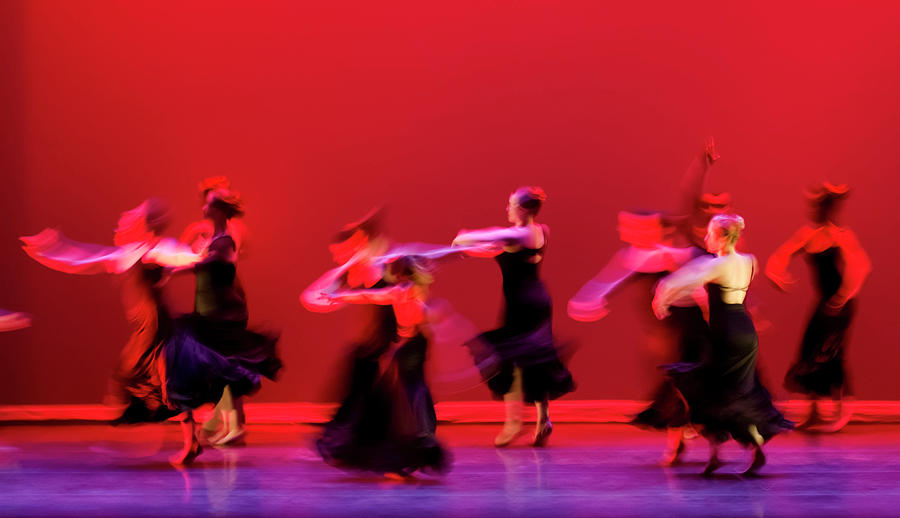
318,111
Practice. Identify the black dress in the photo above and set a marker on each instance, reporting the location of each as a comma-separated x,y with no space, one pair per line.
689,333
386,421
819,369
220,315
165,369
724,394
526,338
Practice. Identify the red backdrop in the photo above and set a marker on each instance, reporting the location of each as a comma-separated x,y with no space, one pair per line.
317,113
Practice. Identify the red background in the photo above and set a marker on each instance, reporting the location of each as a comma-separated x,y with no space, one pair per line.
317,113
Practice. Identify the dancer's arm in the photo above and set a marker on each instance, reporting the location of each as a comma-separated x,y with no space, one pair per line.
173,254
315,297
777,265
856,268
589,303
500,236
684,281
693,183
60,253
381,296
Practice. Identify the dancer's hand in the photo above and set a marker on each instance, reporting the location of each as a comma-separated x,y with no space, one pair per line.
660,308
711,153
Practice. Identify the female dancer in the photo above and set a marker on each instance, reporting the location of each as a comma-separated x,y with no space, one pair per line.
840,266
220,312
396,424
647,259
724,394
198,235
164,370
520,358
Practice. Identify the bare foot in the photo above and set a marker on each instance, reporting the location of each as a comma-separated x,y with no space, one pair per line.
672,457
234,437
186,456
509,433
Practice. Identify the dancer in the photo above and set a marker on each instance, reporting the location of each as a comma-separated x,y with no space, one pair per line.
519,359
395,433
840,266
647,259
365,256
723,394
164,370
220,312
198,235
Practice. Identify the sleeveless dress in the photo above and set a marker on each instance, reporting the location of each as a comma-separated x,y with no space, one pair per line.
220,316
386,422
525,339
819,369
724,394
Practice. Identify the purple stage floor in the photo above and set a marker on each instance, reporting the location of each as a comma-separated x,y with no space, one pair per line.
588,470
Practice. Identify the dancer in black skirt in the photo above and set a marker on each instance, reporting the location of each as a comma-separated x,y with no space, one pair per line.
395,424
723,394
519,360
220,312
165,369
840,266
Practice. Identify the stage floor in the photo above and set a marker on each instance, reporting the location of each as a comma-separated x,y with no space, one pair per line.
588,470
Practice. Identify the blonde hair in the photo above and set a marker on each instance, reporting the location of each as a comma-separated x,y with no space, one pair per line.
730,226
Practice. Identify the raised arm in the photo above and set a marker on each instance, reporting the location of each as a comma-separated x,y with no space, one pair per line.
683,282
777,265
856,268
693,183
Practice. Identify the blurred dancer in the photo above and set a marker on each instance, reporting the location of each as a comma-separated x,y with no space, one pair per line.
647,259
365,258
519,359
198,235
164,370
724,394
220,309
397,422
840,266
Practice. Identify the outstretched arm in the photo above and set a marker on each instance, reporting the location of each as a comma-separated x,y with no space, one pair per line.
589,303
54,250
316,297
381,296
777,265
499,236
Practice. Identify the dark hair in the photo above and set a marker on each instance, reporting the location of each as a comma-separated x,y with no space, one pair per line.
157,215
826,199
412,268
369,225
530,199
227,201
